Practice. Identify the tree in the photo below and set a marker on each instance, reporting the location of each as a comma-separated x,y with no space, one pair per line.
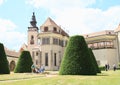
76,59
24,63
4,65
94,61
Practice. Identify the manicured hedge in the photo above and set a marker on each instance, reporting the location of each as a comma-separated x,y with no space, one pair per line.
24,63
4,65
102,68
94,61
76,59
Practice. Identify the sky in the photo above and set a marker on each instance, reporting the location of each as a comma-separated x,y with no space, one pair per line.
74,16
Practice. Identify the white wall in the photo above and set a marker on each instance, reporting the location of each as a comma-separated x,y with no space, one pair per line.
106,56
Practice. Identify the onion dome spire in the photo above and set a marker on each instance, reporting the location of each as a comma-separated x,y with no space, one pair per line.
33,22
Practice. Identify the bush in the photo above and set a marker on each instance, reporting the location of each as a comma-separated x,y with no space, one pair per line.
119,65
76,59
102,68
94,61
4,65
24,63
118,68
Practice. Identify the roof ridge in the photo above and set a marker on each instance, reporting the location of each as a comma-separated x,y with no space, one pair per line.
48,22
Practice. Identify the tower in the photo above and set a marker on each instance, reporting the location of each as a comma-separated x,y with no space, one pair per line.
46,47
32,35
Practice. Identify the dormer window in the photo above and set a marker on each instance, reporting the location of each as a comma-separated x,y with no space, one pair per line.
45,29
55,29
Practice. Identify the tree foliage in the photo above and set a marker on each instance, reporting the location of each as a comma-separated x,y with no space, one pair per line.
76,59
4,65
24,63
94,61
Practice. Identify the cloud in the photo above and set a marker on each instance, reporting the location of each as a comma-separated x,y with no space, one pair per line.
6,25
11,38
88,20
1,1
61,4
77,17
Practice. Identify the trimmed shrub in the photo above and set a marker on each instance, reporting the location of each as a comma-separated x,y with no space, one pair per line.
76,59
4,65
119,65
102,68
94,61
24,63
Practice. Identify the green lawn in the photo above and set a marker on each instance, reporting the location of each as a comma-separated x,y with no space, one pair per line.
106,78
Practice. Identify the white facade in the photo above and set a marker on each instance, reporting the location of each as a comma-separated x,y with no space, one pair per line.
105,46
46,47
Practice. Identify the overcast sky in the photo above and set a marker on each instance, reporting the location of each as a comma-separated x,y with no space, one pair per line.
75,16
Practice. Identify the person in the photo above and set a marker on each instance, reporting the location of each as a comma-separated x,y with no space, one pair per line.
36,69
106,67
33,68
114,67
42,68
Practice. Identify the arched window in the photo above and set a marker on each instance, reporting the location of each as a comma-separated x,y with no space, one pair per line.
32,37
12,65
32,40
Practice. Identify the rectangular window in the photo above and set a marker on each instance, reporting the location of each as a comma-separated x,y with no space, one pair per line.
46,59
36,53
65,43
39,41
45,29
55,59
62,44
36,62
45,41
55,41
32,54
55,29
59,41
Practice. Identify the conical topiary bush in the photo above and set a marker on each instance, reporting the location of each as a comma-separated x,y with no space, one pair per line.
94,61
76,59
4,66
24,63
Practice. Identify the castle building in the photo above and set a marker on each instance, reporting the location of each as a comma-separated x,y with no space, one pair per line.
12,57
105,46
47,46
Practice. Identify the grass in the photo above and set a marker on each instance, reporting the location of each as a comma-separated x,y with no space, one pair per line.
105,78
